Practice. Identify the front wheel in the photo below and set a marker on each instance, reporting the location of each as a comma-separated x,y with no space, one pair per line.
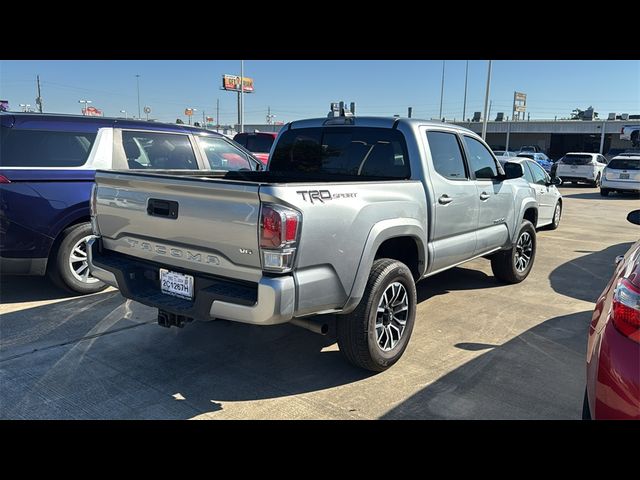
375,335
514,265
69,267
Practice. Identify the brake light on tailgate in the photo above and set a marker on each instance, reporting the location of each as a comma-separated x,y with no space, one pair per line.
626,310
279,232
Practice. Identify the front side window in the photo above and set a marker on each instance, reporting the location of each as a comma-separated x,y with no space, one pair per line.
222,155
357,151
446,155
539,175
481,161
158,151
43,148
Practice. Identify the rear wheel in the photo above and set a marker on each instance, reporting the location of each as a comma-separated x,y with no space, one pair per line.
604,192
514,265
69,267
375,335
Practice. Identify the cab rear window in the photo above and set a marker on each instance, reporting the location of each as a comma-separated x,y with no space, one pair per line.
577,159
43,148
357,151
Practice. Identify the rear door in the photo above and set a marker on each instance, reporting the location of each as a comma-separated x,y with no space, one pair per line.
495,198
454,199
544,194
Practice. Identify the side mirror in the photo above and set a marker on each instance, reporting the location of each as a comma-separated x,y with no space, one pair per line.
512,170
634,217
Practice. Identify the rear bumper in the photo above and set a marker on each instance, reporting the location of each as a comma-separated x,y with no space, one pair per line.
270,301
575,178
613,376
23,266
622,186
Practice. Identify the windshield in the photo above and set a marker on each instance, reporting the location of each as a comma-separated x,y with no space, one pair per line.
577,159
624,164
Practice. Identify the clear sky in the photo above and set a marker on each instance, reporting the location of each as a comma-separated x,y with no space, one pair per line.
298,89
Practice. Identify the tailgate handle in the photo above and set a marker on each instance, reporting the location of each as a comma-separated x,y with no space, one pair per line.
162,208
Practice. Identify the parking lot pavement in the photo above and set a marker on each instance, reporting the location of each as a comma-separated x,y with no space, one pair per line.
480,350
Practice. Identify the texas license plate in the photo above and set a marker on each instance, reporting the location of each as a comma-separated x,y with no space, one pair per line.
624,176
176,284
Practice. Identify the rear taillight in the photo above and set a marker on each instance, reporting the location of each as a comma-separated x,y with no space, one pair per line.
93,209
279,230
4,179
626,310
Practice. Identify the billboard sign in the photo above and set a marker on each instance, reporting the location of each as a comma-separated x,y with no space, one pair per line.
92,112
232,82
188,112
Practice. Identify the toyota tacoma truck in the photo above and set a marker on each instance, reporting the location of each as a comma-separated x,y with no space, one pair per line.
350,213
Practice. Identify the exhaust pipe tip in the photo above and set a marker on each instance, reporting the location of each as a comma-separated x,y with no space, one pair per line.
315,327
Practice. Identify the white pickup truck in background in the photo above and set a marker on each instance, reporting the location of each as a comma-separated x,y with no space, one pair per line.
631,132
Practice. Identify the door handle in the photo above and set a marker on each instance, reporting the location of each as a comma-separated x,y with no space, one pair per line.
484,196
445,199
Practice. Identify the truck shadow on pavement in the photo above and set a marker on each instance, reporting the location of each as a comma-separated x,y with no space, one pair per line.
458,278
17,289
585,277
597,196
538,374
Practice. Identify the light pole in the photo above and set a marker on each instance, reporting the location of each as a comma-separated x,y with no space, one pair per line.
486,103
241,96
125,113
86,105
138,88
464,105
441,92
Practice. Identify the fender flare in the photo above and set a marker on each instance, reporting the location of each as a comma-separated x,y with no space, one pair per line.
379,233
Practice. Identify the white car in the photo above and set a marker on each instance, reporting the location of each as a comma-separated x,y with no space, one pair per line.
548,196
581,167
621,175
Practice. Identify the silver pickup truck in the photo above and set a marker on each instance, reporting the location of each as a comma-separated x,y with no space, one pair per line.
350,213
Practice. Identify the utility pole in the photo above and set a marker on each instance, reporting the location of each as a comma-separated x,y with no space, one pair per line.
218,115
409,111
39,99
441,91
464,105
241,96
138,87
204,120
486,102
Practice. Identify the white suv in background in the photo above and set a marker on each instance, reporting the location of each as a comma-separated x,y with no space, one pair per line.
622,175
581,168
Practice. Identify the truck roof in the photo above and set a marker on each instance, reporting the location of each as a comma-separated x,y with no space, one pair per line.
379,122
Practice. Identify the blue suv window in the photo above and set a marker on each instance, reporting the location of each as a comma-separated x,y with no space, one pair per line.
43,148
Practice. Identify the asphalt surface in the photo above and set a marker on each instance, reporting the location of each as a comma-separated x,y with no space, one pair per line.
480,350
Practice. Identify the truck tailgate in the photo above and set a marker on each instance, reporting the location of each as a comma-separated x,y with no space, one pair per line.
208,225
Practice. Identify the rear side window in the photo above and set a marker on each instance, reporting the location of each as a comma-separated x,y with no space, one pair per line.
480,160
259,143
163,151
624,164
43,148
358,151
222,155
446,155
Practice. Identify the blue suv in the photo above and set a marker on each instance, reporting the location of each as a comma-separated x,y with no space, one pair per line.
47,168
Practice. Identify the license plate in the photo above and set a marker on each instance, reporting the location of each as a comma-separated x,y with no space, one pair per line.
624,176
176,284
574,167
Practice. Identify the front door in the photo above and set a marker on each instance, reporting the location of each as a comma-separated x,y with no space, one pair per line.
495,197
455,201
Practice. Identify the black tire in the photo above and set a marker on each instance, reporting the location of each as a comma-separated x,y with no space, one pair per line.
357,333
555,222
503,263
586,411
604,192
60,271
